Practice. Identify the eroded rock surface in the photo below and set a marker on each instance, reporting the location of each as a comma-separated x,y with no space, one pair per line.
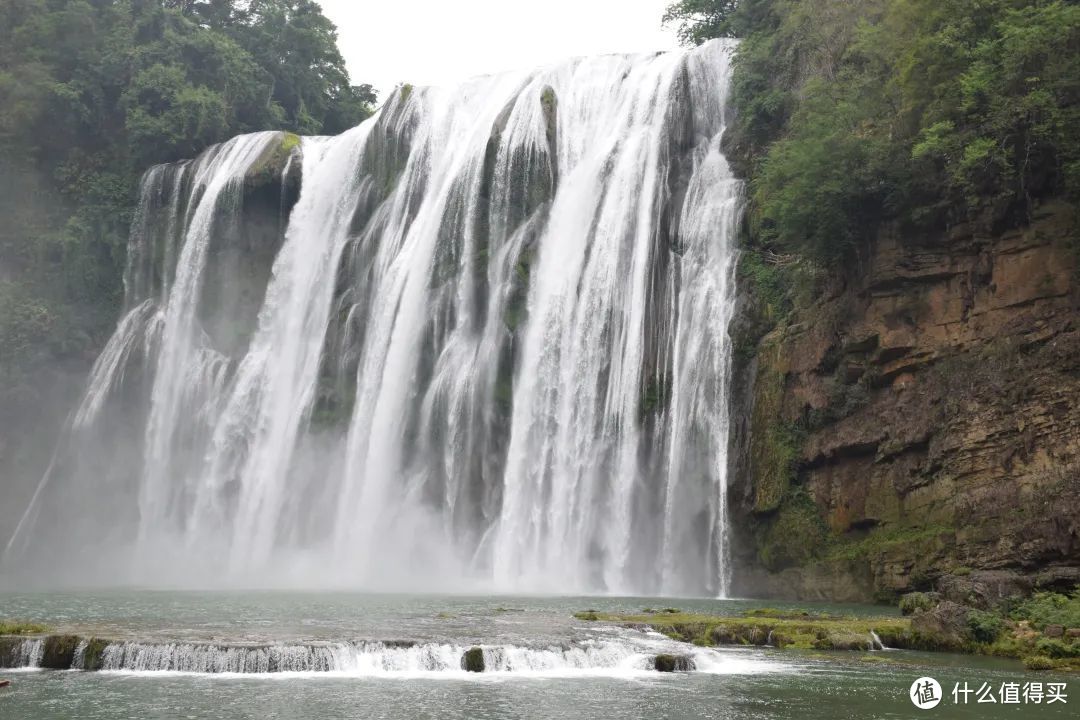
919,423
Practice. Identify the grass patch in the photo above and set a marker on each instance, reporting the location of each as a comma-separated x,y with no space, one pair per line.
768,627
14,627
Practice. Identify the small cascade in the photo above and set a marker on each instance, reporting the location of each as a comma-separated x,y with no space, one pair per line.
26,653
875,642
365,658
78,659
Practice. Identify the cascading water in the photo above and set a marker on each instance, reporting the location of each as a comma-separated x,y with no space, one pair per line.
478,342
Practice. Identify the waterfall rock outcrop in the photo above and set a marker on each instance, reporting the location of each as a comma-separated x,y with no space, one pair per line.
916,427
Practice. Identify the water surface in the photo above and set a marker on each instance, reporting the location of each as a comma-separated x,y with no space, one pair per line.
546,674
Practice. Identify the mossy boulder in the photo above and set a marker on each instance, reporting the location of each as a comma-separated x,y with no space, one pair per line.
673,663
59,652
944,626
92,654
472,660
918,601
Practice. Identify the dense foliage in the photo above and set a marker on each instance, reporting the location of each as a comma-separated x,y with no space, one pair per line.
924,112
92,92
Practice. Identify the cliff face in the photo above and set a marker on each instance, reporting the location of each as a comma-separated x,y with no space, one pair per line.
918,424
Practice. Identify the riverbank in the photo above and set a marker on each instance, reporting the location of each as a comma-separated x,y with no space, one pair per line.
929,624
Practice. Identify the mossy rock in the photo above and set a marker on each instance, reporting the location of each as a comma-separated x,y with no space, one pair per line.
59,652
673,663
844,641
916,601
9,651
774,449
269,168
472,660
821,633
92,655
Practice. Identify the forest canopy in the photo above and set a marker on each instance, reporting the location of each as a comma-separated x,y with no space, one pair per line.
929,113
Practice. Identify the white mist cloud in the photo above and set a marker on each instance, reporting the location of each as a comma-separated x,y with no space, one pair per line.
428,42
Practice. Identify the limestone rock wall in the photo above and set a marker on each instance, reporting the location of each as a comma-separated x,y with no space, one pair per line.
918,423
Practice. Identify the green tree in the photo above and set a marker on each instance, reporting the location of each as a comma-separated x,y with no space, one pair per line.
850,113
699,20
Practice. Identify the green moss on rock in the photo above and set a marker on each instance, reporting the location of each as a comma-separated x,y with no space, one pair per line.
472,660
803,632
59,652
92,654
773,446
794,535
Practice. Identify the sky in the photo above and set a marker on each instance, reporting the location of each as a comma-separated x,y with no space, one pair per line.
428,42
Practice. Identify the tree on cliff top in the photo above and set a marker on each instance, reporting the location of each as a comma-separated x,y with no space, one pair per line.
925,112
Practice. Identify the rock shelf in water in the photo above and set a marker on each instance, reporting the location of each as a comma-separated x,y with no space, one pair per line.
74,652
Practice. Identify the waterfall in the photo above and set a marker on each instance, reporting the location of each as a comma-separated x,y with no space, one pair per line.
478,342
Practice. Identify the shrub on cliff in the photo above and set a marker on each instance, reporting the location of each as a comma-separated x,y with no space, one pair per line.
985,627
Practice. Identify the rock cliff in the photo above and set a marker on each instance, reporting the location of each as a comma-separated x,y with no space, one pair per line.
918,421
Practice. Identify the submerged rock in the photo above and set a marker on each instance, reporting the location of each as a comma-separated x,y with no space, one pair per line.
673,663
472,660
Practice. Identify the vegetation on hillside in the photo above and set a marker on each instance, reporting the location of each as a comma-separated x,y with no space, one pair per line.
92,92
850,113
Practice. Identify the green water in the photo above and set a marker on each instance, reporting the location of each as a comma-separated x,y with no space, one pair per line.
737,683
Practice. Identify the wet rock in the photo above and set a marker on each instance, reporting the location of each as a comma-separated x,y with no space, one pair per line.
401,644
472,660
9,650
92,654
673,663
1072,633
1054,631
59,652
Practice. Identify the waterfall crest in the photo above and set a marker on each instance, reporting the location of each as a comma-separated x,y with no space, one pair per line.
478,342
